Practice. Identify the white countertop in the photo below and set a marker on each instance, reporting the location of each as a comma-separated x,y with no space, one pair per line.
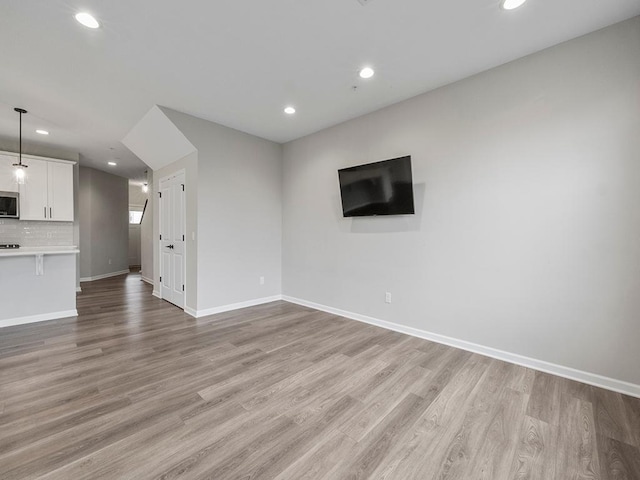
50,250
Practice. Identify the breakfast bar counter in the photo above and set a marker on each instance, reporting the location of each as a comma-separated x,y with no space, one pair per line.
32,251
37,284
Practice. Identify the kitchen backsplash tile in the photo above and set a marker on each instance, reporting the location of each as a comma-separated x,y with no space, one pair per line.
36,234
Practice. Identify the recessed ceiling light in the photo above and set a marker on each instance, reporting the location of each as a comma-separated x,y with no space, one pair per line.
42,132
289,110
113,164
87,20
512,4
366,72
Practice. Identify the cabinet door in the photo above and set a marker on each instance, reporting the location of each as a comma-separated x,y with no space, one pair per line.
7,174
33,194
60,192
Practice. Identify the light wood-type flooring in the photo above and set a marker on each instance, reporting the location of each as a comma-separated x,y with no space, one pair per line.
135,389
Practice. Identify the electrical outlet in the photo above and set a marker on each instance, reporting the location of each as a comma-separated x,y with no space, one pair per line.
49,235
261,280
109,261
387,297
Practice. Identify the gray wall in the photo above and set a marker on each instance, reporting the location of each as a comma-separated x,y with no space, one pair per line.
134,246
239,212
136,196
137,199
526,235
104,223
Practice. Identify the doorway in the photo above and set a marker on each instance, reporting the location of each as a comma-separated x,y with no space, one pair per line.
172,238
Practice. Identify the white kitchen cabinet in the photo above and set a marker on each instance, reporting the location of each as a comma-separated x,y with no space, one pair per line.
48,191
33,194
8,181
60,191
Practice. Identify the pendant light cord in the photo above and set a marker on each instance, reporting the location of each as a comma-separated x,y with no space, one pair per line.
20,151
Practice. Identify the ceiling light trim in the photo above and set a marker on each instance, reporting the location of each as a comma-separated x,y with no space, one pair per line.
87,20
367,72
511,4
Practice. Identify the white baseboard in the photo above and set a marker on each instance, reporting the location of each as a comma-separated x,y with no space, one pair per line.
191,311
156,294
232,306
104,275
145,279
10,322
540,365
78,289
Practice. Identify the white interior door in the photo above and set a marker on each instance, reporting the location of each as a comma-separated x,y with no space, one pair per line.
172,239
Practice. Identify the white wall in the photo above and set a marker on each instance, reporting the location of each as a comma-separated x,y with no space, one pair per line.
526,235
104,223
239,212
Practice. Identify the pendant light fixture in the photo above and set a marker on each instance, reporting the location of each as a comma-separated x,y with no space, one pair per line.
145,185
20,168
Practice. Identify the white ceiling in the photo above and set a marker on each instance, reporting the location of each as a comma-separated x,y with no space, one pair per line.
239,63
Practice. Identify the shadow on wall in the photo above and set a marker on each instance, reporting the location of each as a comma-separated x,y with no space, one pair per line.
383,223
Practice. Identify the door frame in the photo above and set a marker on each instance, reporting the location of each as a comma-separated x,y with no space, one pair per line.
184,229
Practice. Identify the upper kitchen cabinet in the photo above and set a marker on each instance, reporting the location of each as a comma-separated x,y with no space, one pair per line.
48,192
7,179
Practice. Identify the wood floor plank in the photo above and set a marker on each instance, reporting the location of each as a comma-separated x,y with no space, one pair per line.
618,461
319,459
494,457
382,439
461,447
612,417
632,409
544,401
383,402
134,388
577,444
268,463
534,458
521,379
442,417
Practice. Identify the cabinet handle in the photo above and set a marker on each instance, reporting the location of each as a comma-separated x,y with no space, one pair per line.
45,212
50,213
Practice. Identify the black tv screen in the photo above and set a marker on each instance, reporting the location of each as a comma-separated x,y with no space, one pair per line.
380,188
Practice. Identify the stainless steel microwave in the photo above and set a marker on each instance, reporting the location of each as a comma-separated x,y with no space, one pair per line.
9,205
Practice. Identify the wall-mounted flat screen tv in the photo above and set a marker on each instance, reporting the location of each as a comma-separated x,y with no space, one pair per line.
380,188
